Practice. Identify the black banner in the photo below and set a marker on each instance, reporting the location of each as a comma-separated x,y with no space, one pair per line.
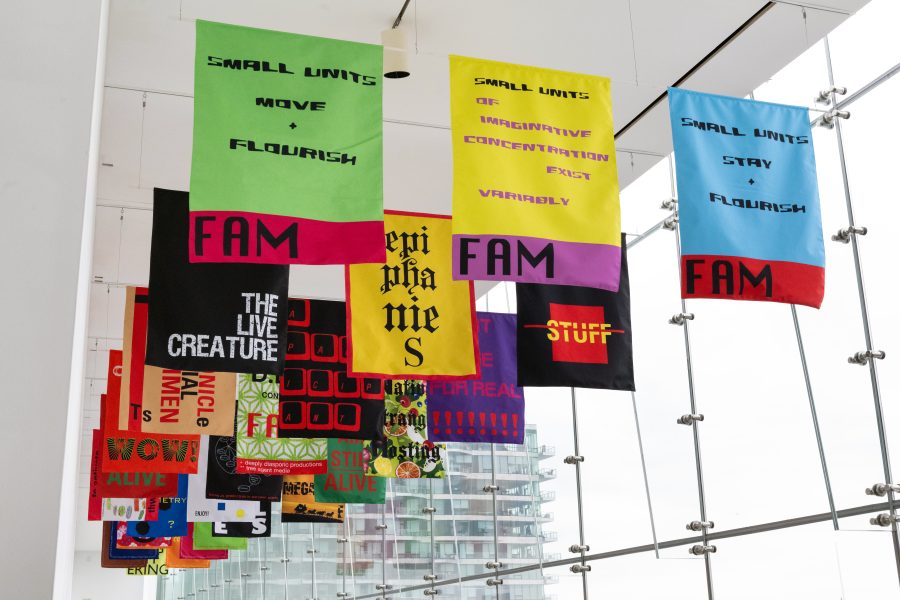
210,317
574,336
224,483
261,526
317,397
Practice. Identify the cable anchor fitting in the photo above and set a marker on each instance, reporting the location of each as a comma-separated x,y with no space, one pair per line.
881,489
700,549
843,235
493,582
493,564
828,119
429,509
824,96
670,222
669,204
430,592
884,520
579,548
700,525
862,357
689,419
680,318
580,568
573,459
490,488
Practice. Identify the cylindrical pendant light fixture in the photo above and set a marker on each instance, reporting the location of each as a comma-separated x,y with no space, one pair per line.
396,57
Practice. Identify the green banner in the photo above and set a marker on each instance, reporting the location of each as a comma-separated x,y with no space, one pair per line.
203,539
346,480
287,128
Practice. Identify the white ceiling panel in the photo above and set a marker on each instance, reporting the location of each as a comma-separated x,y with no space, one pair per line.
134,265
120,148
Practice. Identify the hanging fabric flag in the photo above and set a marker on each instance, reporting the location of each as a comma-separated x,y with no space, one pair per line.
287,158
229,318
260,527
490,409
201,508
405,452
158,400
224,482
174,559
202,539
124,540
127,383
155,566
346,480
186,548
125,485
408,316
172,519
299,504
574,336
259,449
129,452
112,557
535,187
318,398
748,200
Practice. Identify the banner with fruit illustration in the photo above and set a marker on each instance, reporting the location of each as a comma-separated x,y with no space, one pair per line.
405,452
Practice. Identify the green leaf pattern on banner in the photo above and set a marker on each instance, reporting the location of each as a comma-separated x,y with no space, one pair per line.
258,395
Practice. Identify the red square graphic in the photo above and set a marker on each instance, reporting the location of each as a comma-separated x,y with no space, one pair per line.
320,383
293,382
325,347
578,333
298,312
297,345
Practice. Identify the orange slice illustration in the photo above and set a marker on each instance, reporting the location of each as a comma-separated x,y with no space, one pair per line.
408,470
394,430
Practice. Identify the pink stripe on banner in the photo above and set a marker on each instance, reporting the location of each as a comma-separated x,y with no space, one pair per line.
536,260
276,239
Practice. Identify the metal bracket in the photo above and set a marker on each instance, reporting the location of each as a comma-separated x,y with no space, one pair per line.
680,318
263,568
343,594
285,560
431,592
669,204
881,489
884,520
494,582
862,357
824,96
490,488
670,223
843,235
689,419
380,526
578,548
580,568
430,577
493,564
341,540
573,459
829,117
700,525
383,586
700,549
245,574
429,509
311,551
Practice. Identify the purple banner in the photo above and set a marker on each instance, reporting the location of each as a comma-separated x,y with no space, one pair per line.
490,409
536,260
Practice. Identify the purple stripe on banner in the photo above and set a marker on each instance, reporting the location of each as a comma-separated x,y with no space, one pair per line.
536,260
490,409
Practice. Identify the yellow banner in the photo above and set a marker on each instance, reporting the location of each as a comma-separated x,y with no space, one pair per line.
408,317
535,188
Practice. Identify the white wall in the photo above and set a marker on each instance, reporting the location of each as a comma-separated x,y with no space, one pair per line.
48,76
92,582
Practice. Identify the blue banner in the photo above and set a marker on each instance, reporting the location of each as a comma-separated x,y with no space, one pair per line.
748,200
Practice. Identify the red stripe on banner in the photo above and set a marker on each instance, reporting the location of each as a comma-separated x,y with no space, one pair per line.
276,239
740,278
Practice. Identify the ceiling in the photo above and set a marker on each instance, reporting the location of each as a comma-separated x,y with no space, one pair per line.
642,45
